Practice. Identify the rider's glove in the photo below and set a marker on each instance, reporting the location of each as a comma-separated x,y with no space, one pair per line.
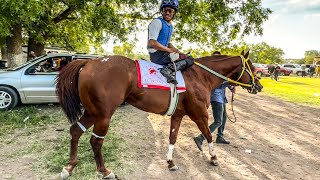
183,56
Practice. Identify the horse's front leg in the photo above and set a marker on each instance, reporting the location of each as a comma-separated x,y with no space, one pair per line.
202,124
174,129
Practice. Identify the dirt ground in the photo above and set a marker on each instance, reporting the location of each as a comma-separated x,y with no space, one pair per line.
284,140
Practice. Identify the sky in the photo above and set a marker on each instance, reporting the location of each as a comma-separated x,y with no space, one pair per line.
294,26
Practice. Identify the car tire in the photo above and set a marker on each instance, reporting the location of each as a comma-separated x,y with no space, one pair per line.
8,98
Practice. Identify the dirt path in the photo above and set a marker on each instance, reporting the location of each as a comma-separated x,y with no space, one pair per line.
284,139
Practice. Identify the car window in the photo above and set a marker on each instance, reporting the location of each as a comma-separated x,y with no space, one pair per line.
50,65
25,64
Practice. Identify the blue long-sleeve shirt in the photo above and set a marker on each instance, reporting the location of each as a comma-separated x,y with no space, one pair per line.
219,94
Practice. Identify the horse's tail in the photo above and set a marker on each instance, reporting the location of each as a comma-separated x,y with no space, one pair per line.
67,90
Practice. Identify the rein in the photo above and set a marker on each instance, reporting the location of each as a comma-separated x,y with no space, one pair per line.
234,115
248,70
244,63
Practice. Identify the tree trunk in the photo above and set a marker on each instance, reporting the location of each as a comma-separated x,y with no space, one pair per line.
4,53
36,47
14,46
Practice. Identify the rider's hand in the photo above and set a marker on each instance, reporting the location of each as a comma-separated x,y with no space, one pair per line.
174,56
183,56
233,89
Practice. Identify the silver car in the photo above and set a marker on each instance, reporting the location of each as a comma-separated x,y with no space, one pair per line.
34,81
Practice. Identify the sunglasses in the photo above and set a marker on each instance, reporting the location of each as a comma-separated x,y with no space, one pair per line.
168,10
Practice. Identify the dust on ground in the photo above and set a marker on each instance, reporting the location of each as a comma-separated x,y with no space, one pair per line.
283,138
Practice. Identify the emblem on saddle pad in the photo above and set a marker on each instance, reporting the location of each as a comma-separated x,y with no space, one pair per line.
152,71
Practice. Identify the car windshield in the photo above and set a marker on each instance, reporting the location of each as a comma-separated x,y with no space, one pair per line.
259,65
25,64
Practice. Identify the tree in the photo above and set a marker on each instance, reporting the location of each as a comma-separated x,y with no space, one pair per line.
126,49
266,54
76,24
309,56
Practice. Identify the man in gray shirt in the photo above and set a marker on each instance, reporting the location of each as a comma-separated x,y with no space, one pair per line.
159,45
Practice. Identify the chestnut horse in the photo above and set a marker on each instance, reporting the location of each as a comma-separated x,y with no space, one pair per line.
99,86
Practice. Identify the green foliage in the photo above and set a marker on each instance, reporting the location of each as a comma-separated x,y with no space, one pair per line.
266,54
294,89
126,49
76,24
217,23
309,56
235,49
25,117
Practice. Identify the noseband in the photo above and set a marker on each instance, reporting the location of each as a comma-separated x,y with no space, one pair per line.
251,86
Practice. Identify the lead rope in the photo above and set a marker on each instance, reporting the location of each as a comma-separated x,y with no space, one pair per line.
234,115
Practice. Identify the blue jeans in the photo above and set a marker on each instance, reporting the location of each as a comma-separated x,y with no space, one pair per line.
160,57
220,118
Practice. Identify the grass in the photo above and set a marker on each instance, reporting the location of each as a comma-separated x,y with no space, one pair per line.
32,130
299,90
112,151
27,116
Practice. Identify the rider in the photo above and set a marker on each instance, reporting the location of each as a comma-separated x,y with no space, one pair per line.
159,34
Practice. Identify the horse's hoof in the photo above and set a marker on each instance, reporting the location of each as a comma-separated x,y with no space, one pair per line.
174,168
110,176
214,161
64,174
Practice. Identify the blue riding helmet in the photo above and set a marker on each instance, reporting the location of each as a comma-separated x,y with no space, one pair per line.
170,3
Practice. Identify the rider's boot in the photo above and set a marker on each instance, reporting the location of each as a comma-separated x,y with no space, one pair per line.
168,73
168,70
183,64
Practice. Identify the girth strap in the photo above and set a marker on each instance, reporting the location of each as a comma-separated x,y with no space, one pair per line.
174,97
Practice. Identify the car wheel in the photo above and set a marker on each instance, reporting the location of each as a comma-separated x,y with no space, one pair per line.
281,73
8,98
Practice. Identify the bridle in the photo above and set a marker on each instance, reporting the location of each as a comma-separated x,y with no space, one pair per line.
251,86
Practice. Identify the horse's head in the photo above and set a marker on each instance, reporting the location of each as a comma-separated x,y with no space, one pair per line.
246,75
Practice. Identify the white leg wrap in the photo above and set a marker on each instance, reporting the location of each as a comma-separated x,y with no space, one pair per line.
211,149
81,127
170,152
64,174
97,136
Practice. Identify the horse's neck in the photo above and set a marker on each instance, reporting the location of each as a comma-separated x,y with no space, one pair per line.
225,67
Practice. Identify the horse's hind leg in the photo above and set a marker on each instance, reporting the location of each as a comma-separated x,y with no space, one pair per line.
174,129
76,130
99,131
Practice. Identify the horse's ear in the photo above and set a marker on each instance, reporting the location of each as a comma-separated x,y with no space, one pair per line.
246,55
242,53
